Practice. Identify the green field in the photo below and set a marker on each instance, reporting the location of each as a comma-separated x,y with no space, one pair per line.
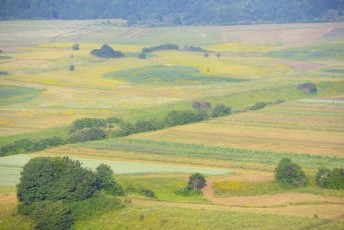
40,97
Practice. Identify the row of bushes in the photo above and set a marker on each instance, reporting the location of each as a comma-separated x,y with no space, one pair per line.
26,145
290,175
332,179
167,46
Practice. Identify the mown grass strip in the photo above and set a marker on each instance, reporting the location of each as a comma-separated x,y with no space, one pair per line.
202,151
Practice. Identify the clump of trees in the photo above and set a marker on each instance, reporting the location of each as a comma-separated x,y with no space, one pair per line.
221,110
26,145
331,179
194,49
75,47
258,105
50,187
196,181
142,55
107,52
289,174
308,87
167,46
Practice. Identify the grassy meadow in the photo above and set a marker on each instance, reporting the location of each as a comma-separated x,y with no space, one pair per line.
40,97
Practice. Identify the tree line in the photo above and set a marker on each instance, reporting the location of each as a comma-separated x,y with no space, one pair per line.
188,12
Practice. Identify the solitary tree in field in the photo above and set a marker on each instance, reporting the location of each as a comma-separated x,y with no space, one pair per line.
290,175
196,181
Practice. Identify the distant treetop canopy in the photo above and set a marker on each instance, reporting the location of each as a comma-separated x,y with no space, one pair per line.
107,52
188,12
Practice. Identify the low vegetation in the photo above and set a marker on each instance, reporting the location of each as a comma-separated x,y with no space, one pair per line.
308,87
107,52
48,187
290,175
167,46
332,179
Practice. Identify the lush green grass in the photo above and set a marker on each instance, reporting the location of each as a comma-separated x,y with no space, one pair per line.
324,51
168,75
55,131
16,94
136,217
165,188
202,151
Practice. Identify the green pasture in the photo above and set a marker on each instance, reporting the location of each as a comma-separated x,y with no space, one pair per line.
175,75
16,94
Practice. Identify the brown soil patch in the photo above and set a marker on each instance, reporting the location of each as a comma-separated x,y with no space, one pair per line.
299,65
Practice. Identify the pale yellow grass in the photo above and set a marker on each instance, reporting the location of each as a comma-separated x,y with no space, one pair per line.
253,138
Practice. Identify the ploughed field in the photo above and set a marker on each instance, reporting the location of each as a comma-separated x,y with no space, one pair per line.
41,97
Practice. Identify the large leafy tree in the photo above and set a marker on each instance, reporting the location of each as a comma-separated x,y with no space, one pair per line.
289,174
45,178
196,181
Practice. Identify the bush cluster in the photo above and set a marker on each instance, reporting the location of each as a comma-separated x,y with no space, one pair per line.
308,87
332,179
107,52
196,182
167,46
51,190
221,110
290,175
26,145
194,49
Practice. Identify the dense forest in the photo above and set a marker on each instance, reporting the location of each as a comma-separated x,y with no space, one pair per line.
188,12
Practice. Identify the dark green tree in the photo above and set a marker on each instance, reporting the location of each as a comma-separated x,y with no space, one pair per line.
45,178
221,110
289,174
50,215
196,181
107,52
142,55
75,47
106,181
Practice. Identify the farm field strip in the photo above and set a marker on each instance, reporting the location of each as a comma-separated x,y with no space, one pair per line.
11,166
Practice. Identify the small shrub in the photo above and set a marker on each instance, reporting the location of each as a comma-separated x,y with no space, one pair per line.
218,55
290,175
3,73
206,55
142,55
308,87
279,101
196,181
71,68
107,52
258,105
148,193
75,47
221,110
